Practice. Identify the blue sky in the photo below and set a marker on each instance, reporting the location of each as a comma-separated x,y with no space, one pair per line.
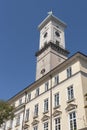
19,37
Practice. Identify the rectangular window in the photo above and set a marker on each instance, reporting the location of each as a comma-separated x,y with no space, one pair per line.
46,126
69,72
56,99
46,105
72,121
29,97
56,80
37,92
18,120
20,101
70,93
27,115
35,127
46,86
57,124
36,110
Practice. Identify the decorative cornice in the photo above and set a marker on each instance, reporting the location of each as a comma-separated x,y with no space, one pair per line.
35,122
19,107
71,107
54,47
56,113
25,126
45,117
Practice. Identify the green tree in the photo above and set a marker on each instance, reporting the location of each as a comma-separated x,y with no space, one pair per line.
6,111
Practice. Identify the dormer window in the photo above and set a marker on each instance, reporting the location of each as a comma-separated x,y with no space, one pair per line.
57,34
45,35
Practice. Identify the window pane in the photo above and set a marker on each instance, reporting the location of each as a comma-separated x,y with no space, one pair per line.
46,86
45,105
56,80
72,118
27,115
56,99
69,72
37,92
46,126
29,97
70,92
36,110
57,124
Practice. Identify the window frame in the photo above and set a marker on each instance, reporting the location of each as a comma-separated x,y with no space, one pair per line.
36,109
70,93
37,92
27,115
46,105
57,123
18,120
69,72
20,101
56,79
72,121
46,86
29,97
46,125
35,127
56,100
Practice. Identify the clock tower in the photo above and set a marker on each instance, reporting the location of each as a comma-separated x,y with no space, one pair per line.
52,50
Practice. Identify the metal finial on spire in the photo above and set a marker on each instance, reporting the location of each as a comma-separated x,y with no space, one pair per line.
50,12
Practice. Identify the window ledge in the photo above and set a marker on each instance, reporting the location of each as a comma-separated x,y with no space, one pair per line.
45,112
36,116
56,107
71,100
17,125
26,121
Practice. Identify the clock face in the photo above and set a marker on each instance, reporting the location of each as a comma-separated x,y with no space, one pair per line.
57,34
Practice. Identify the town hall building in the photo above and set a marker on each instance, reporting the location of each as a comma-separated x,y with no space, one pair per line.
57,100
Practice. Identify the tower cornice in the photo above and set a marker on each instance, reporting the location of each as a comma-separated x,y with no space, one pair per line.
54,47
51,18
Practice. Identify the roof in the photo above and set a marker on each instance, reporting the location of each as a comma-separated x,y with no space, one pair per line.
51,17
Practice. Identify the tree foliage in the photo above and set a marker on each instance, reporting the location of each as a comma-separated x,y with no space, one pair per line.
6,111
